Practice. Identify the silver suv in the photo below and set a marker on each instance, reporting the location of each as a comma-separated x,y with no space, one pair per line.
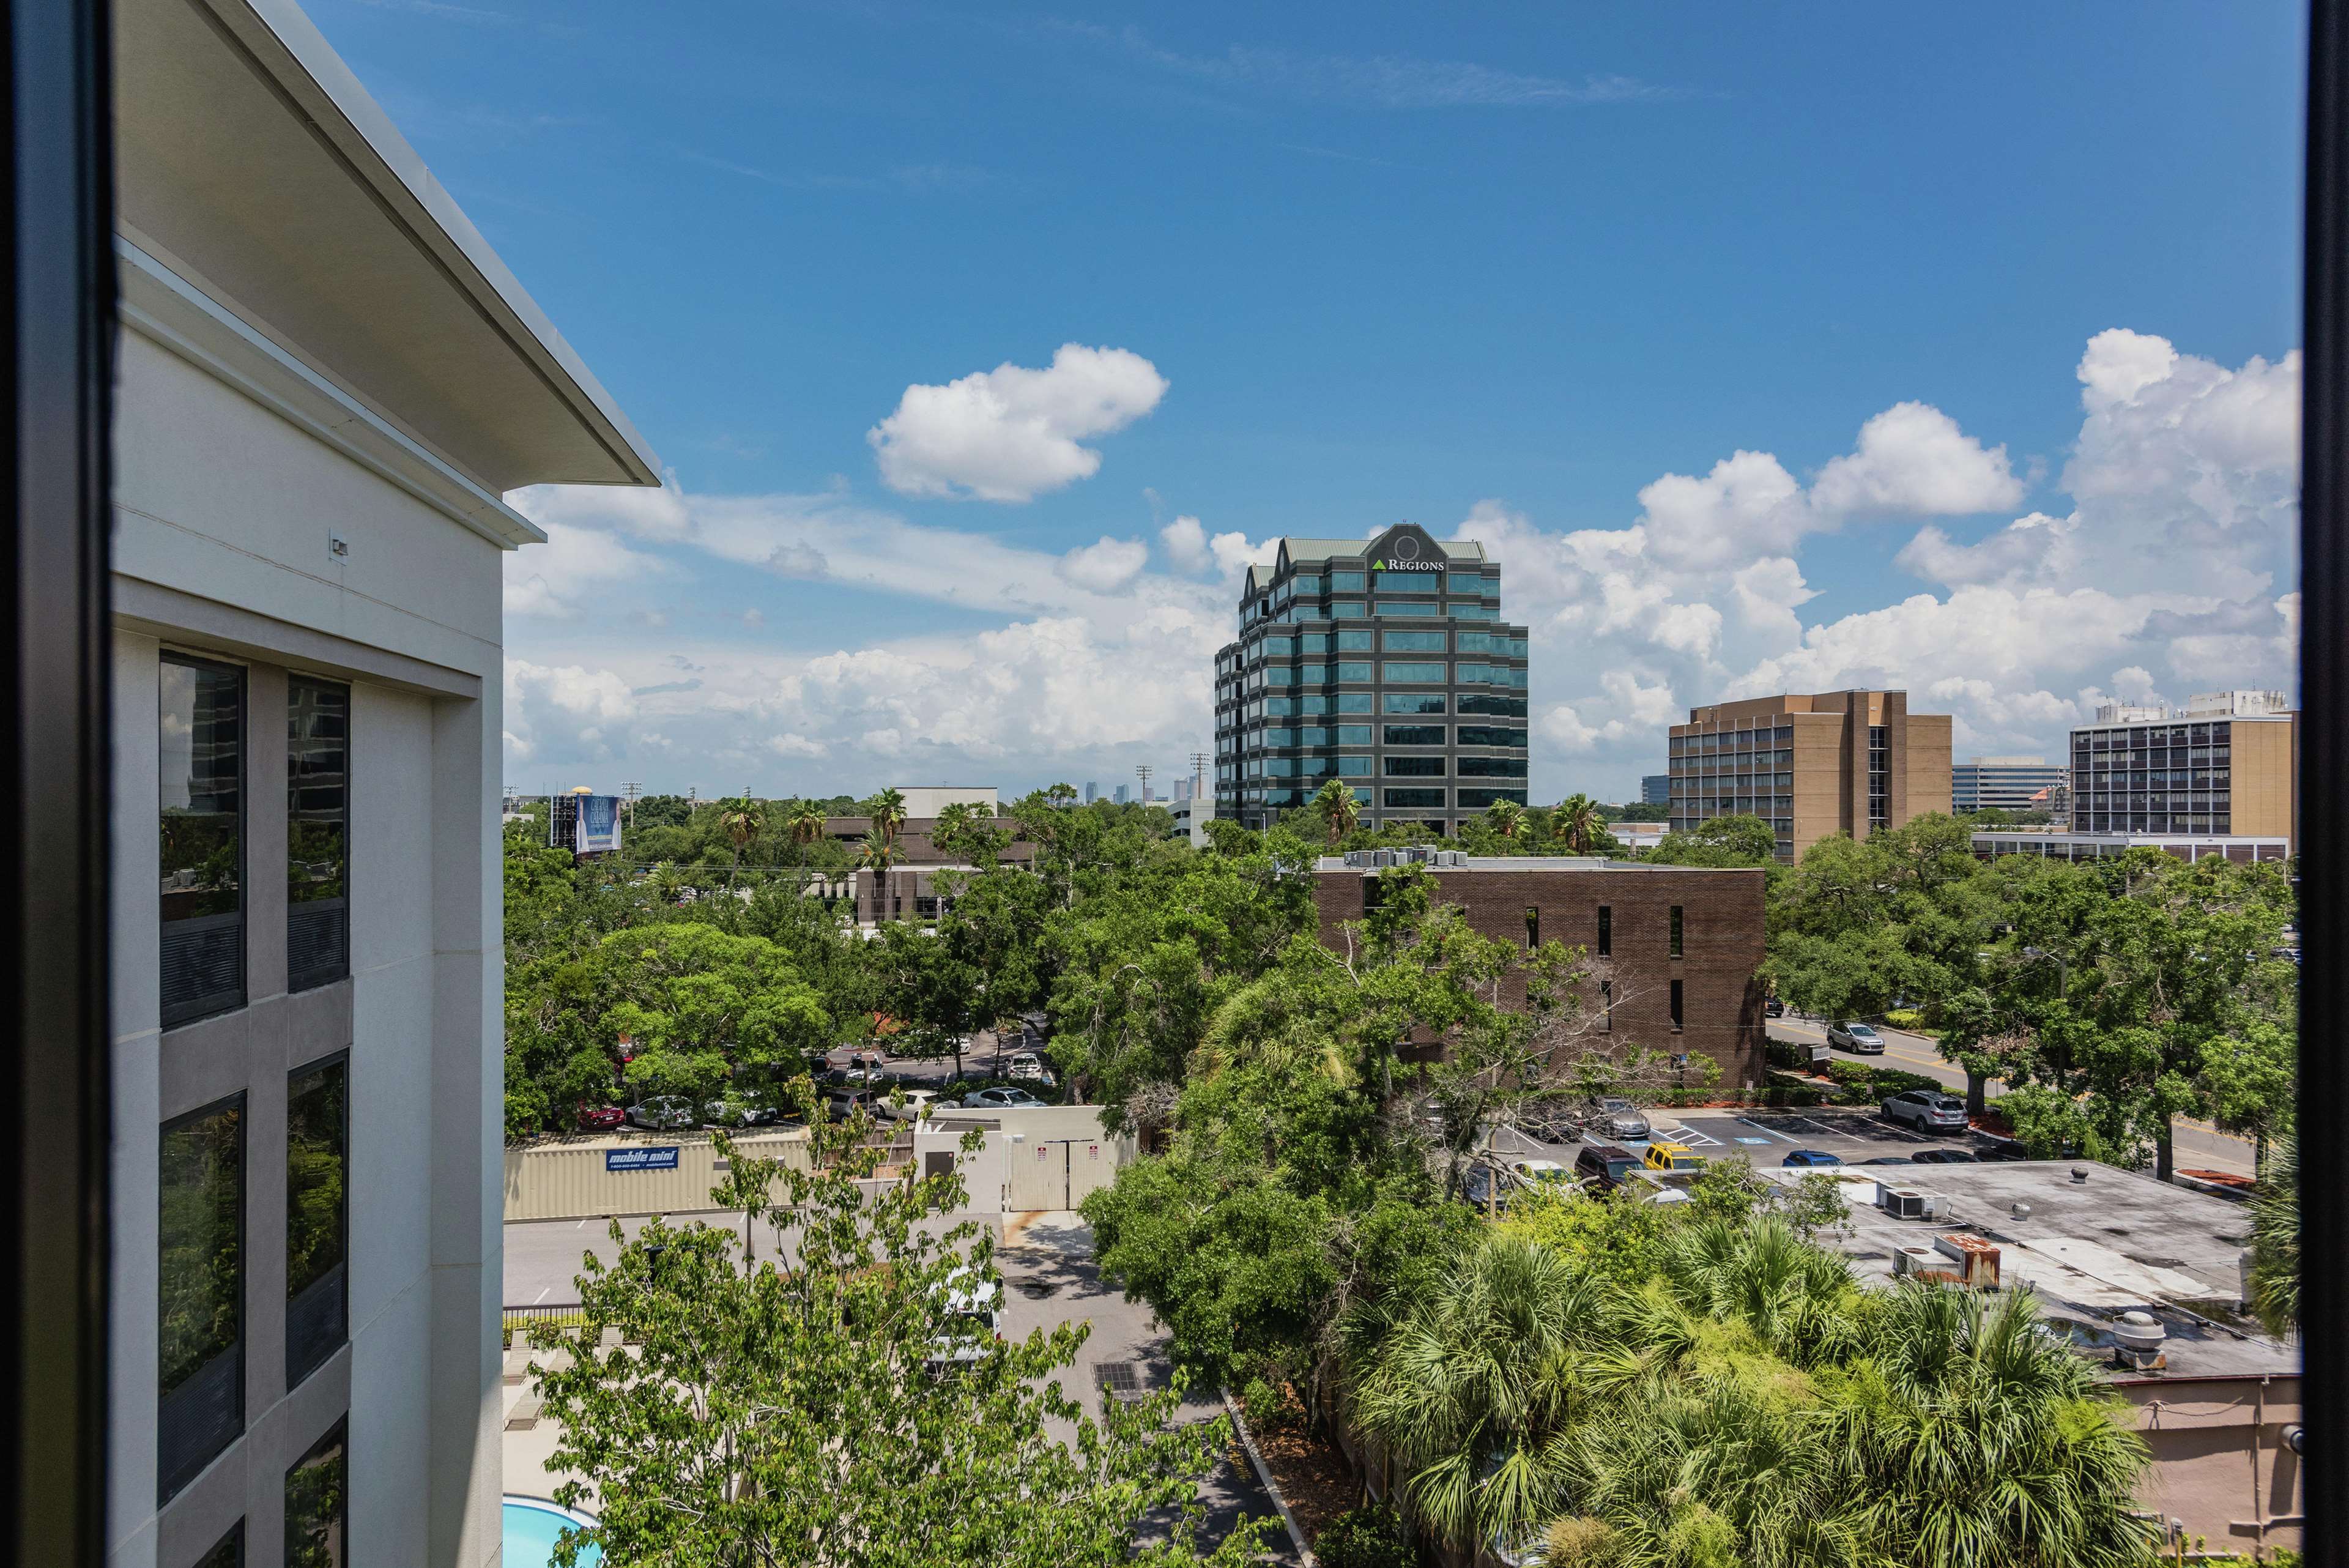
1927,1110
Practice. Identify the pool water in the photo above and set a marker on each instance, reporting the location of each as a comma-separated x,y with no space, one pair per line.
531,1528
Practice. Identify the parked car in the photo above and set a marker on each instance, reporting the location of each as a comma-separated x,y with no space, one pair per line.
1810,1157
737,1112
843,1103
1000,1100
1993,1152
662,1112
1944,1157
973,1306
1027,1067
1890,1159
855,1077
1673,1157
1605,1165
1773,1008
1859,1038
1617,1120
908,1104
1927,1110
598,1118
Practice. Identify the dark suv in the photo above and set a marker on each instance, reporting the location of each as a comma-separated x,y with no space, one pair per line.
1605,1166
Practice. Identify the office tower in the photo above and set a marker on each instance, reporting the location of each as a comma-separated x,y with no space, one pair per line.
1811,766
2018,784
1381,662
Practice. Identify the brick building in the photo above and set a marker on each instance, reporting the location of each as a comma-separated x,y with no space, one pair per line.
1677,946
909,891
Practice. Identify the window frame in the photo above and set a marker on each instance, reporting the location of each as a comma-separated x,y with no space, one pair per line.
171,1478
337,1277
212,1003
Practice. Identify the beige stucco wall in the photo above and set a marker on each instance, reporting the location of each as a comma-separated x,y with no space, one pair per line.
2219,1464
2262,778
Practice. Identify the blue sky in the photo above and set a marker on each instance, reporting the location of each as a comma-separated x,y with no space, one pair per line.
1498,271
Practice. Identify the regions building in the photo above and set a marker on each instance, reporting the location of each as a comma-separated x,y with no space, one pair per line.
326,379
1674,949
2018,784
1837,763
2221,767
1381,662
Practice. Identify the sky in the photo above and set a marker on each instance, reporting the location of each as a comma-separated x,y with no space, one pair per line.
1769,349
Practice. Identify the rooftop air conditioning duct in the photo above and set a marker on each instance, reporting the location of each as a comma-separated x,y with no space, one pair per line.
2137,1341
1903,1202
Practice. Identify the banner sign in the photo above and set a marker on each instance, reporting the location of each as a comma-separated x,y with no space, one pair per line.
640,1158
599,824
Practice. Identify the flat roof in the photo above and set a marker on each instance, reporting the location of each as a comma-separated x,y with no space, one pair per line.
250,162
2118,1241
1367,860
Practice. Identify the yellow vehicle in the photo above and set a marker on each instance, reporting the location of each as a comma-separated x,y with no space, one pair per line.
1673,1157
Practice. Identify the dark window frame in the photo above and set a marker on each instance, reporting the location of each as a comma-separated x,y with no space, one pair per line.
328,1297
174,1472
1678,936
210,1003
338,1436
336,912
1677,997
1606,930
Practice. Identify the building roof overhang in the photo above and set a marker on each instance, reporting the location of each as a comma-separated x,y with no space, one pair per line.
250,162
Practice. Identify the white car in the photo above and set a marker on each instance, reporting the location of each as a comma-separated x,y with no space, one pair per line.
908,1104
1027,1067
974,1303
1000,1100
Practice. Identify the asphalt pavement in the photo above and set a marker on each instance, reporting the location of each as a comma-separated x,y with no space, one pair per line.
2195,1145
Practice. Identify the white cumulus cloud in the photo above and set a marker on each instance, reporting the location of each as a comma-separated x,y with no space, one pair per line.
1012,433
1105,566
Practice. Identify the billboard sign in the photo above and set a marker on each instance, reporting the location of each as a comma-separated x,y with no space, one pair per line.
663,1158
599,824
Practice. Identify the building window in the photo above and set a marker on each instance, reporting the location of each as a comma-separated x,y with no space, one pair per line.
1414,702
1676,930
318,1214
1414,799
228,1551
1415,642
1606,930
1423,674
317,831
315,1504
1414,734
1676,1007
1416,768
200,1292
202,739
1533,926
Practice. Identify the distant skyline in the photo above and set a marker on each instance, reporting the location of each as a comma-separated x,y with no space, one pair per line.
1766,350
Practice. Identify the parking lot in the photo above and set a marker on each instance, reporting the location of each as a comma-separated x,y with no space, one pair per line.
1766,1136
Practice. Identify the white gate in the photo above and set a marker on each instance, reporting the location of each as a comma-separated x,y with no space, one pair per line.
1058,1173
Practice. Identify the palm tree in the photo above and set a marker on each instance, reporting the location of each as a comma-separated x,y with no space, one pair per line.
804,823
876,855
954,826
740,821
1577,823
889,813
1506,818
1474,1388
2275,1241
1062,795
1336,803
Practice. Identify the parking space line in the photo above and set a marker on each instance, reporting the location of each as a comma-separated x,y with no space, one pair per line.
1684,1134
1757,1127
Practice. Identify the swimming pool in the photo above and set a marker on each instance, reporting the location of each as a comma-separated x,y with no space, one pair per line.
531,1526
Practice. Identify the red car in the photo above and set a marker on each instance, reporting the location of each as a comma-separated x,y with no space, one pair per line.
599,1118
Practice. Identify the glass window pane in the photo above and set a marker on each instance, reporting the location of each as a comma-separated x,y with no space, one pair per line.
1416,768
200,1292
228,1551
1408,582
1414,734
317,831
314,1506
1353,734
1354,641
1355,702
200,734
1346,582
1417,798
1429,674
317,1142
1418,641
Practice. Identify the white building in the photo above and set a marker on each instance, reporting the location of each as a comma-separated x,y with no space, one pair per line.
927,801
326,381
1192,813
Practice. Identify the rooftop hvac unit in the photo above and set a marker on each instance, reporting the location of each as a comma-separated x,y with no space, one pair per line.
1977,1259
1914,1260
1902,1202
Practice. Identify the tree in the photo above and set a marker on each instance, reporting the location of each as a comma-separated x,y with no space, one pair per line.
842,1407
877,854
1062,795
1733,840
1506,818
1335,801
1576,823
804,823
2275,1244
741,820
889,813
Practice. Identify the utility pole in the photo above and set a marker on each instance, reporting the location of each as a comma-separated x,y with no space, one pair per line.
1143,772
631,789
1198,773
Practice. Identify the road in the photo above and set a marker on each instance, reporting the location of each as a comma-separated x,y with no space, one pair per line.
2195,1145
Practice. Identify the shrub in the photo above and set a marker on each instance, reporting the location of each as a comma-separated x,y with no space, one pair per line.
1372,1537
1267,1405
1904,1018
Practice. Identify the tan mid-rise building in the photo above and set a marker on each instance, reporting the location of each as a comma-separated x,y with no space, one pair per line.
2223,765
1838,762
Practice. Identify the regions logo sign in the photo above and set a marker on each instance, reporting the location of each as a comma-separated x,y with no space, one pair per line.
641,1158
